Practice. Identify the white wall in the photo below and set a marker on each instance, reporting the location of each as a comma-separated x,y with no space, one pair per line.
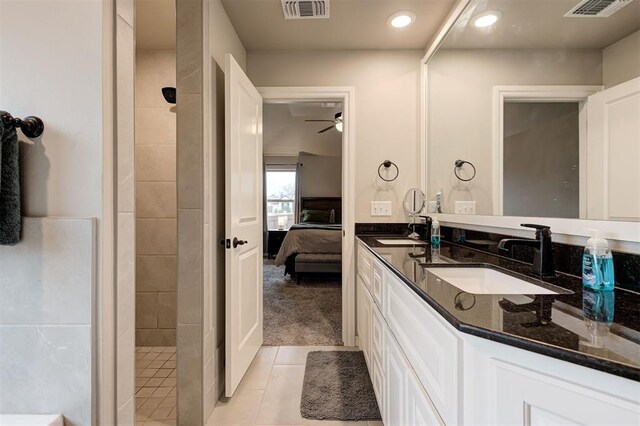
387,103
621,60
51,66
460,117
287,135
223,38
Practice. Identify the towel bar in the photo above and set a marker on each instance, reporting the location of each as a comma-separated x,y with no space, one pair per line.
31,126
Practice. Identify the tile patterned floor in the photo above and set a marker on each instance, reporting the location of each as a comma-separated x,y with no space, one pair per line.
271,390
156,386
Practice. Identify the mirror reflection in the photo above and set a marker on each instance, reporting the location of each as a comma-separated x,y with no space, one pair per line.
543,99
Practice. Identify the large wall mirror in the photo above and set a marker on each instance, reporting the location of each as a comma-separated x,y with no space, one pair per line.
541,99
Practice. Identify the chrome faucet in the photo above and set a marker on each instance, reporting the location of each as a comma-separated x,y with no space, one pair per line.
543,249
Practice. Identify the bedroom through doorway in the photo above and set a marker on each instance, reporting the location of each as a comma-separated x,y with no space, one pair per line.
302,149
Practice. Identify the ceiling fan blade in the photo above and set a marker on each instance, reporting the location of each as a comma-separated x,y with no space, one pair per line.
327,129
319,121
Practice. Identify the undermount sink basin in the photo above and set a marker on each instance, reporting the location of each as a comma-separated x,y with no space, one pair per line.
401,242
479,280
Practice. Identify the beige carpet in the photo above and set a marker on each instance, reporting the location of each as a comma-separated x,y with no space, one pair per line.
301,315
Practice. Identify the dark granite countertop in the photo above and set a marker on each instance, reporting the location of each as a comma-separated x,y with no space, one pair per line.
563,334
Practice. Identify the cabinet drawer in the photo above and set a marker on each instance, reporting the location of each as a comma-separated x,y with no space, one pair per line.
431,346
365,264
377,282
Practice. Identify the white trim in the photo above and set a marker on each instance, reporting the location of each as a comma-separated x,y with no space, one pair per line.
451,19
105,391
536,94
346,95
434,44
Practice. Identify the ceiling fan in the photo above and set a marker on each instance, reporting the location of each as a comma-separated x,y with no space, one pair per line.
337,123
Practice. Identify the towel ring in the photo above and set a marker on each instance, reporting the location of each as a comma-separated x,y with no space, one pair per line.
459,164
459,303
386,164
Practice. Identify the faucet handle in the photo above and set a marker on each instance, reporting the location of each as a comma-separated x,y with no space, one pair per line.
540,229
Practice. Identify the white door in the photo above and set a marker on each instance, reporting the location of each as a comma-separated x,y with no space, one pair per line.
243,195
613,149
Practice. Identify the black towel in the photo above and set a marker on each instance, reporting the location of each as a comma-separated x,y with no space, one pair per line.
10,218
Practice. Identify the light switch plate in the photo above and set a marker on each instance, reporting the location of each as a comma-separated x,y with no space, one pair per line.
381,208
465,207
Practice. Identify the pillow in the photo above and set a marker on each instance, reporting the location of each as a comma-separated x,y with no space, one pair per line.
315,216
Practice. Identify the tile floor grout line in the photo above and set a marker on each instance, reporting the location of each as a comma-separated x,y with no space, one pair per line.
264,391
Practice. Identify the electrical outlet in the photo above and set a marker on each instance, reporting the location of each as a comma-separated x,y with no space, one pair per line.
381,208
465,207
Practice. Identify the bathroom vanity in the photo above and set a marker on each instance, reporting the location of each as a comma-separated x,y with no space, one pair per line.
440,355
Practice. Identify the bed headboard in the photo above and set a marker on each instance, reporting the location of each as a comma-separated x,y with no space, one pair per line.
323,203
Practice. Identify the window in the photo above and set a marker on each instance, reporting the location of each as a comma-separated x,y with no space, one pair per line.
281,195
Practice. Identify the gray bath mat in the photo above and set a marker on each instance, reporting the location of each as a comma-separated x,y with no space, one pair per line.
337,387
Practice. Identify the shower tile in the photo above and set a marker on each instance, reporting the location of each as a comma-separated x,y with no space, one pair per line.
156,200
167,309
156,126
156,273
156,236
155,163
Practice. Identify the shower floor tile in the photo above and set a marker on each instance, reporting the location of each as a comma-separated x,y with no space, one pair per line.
156,386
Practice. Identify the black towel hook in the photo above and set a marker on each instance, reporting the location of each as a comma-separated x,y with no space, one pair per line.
387,164
459,164
31,126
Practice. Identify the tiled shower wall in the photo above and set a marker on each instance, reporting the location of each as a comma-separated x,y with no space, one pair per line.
156,209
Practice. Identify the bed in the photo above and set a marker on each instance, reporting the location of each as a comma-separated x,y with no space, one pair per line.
314,244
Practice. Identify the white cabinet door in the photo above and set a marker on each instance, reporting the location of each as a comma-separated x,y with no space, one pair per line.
526,397
395,383
431,346
364,319
419,408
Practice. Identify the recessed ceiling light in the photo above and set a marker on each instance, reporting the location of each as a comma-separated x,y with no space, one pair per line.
401,19
487,19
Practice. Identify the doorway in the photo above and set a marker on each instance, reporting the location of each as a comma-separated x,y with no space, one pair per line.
302,152
345,98
156,283
522,116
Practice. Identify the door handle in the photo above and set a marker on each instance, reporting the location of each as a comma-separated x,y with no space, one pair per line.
237,242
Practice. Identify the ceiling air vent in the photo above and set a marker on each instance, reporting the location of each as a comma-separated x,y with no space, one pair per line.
305,9
597,8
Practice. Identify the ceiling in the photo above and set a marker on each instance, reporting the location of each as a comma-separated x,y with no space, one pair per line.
540,24
353,24
155,24
287,133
